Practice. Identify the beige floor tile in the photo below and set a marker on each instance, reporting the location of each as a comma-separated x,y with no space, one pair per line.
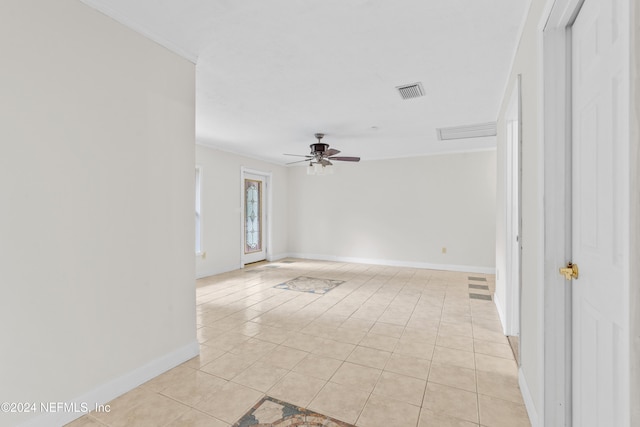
493,349
284,357
388,329
274,335
297,389
207,333
260,376
415,347
496,365
449,356
227,341
334,349
356,376
484,334
303,341
195,418
457,342
340,402
401,387
463,329
453,376
429,419
379,342
427,332
191,388
168,378
501,413
408,365
123,404
318,366
369,357
85,421
504,387
405,326
452,402
152,411
349,336
230,402
358,324
382,411
229,365
207,355
254,346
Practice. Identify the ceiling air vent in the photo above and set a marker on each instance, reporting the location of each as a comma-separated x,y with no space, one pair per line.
469,131
414,90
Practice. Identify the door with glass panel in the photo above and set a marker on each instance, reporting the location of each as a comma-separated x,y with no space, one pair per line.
254,218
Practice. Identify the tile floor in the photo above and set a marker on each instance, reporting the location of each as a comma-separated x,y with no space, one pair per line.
389,347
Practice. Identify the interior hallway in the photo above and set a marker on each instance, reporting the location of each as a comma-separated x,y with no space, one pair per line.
390,346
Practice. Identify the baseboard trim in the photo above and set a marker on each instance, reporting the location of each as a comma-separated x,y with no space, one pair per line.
528,400
396,263
110,390
498,305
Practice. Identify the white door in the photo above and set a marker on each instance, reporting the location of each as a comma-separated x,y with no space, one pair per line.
599,231
254,218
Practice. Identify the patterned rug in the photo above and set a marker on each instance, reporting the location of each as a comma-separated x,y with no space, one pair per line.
270,412
310,284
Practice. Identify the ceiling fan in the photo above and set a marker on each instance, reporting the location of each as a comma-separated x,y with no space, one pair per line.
321,154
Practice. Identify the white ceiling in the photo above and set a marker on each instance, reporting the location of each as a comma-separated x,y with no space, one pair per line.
272,73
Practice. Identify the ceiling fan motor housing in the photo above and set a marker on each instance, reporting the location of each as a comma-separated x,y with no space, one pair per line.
319,147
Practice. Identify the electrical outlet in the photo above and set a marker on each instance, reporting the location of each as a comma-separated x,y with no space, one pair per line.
204,255
444,250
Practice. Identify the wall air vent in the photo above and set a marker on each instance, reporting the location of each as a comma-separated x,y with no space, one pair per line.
469,131
414,90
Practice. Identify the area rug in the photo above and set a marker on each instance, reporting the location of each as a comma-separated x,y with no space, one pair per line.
270,412
310,284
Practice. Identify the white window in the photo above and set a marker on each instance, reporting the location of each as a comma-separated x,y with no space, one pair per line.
198,211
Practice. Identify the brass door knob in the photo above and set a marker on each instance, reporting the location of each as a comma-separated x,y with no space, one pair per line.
570,272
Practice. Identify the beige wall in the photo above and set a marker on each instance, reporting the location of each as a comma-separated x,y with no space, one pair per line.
526,63
221,213
400,211
96,178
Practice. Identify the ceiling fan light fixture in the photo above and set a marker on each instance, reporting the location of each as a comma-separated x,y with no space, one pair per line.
319,169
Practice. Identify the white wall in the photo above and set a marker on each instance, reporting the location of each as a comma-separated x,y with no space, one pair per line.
399,212
634,301
526,63
96,217
221,213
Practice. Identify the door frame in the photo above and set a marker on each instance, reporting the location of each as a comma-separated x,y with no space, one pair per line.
554,33
513,256
266,199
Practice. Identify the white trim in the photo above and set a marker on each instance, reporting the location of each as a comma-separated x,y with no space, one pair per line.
528,401
212,146
556,295
140,29
110,390
267,201
501,315
397,263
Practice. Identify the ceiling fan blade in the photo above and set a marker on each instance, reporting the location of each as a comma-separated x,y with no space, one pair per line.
297,155
325,162
297,161
331,152
345,159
